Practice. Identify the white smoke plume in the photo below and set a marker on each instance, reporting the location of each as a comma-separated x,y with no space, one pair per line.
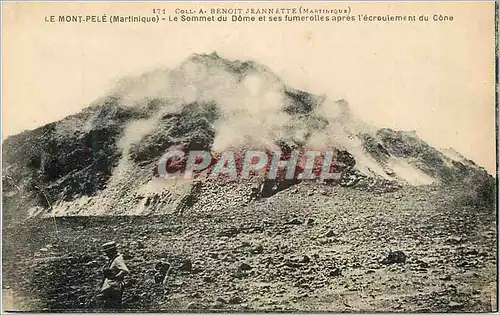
250,100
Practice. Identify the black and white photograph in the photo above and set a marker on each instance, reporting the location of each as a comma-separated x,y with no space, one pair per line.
249,157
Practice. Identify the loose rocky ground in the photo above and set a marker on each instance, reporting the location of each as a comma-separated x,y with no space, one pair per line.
307,248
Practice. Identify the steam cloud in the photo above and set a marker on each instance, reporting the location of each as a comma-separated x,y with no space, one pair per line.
250,101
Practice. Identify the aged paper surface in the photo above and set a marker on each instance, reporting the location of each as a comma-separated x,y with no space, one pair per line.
302,156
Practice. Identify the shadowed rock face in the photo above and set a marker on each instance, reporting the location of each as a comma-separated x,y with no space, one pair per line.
207,103
376,240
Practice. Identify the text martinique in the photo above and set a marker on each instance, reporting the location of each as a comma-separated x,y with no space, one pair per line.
102,19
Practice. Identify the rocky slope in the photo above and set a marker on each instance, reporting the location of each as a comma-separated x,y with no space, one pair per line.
103,160
407,227
309,248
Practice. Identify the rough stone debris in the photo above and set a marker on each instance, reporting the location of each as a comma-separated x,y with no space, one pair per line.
186,265
258,249
395,257
162,269
447,229
244,267
294,221
330,233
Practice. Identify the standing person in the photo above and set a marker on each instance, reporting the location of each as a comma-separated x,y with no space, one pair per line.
111,292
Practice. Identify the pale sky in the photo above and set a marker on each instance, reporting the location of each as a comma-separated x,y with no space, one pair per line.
435,78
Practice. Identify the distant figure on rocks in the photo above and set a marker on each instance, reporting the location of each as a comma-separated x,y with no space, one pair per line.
162,271
111,292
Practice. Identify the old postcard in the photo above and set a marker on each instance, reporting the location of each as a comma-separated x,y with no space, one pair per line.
249,157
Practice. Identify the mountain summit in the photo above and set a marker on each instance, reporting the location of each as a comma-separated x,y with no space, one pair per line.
403,227
102,160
